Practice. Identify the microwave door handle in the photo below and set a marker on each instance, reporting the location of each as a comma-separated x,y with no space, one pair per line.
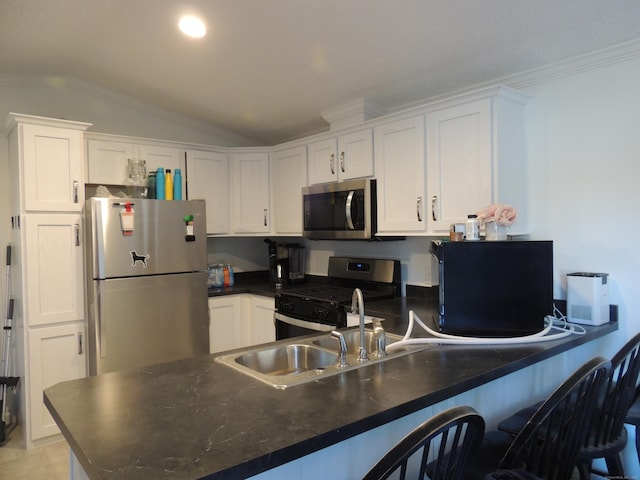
348,210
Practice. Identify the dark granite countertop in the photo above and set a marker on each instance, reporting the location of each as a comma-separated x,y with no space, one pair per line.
196,418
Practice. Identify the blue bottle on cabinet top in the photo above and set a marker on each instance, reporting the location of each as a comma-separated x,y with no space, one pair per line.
177,185
160,184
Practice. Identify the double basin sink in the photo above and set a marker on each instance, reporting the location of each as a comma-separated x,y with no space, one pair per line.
309,358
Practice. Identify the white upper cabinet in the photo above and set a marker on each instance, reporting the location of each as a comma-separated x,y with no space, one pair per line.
250,192
48,157
289,175
347,157
107,161
475,157
459,162
158,156
208,179
401,182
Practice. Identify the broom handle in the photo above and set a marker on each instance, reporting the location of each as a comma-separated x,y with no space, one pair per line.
5,336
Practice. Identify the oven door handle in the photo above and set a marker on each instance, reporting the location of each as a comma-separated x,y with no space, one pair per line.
348,210
320,327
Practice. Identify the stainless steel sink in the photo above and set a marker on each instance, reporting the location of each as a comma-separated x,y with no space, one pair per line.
286,359
298,361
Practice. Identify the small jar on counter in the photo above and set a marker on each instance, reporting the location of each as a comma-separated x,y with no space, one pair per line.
472,228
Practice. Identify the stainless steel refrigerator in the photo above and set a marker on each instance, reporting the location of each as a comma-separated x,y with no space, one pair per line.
147,282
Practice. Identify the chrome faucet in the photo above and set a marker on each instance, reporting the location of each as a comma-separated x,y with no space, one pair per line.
357,305
380,339
342,361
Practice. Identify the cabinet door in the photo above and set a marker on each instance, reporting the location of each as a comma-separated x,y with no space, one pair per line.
165,157
225,331
355,157
250,192
289,176
459,173
401,183
52,168
56,354
208,179
263,329
54,268
323,161
107,161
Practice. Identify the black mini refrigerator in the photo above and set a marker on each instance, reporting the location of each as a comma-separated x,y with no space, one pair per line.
494,288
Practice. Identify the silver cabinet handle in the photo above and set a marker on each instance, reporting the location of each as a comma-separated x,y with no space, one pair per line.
434,202
419,209
265,217
77,234
80,346
75,191
342,162
348,210
332,166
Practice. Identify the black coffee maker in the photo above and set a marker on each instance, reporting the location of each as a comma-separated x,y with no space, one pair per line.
286,263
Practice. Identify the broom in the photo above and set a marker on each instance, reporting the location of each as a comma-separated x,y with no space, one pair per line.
6,381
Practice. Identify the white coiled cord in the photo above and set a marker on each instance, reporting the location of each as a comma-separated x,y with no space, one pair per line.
551,323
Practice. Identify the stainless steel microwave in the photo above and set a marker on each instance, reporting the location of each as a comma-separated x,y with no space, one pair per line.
340,210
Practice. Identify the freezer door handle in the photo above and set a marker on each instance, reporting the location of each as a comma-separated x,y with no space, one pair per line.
80,347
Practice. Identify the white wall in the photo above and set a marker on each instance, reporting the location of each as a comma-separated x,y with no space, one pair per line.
583,173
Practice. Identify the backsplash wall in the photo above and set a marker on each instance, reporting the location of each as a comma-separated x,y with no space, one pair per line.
248,254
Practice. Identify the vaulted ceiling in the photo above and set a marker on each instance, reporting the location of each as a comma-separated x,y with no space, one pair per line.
267,69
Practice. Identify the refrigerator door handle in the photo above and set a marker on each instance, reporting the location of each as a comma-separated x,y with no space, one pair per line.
101,327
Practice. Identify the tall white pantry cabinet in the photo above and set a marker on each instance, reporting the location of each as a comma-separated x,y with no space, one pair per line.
46,162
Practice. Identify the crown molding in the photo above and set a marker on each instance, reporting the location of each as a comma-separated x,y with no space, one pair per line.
565,68
352,113
589,61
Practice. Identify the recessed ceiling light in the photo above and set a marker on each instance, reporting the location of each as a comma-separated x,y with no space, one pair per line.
192,26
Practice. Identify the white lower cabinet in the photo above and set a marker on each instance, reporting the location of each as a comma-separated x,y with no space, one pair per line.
261,310
53,268
237,321
225,329
56,354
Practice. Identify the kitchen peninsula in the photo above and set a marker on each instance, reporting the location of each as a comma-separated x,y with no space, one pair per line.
195,418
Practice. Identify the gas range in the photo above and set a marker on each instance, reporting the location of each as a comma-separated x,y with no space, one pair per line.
324,307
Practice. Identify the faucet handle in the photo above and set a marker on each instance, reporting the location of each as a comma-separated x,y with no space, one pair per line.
342,361
380,338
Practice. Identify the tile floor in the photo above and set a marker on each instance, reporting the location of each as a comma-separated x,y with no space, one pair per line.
50,461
